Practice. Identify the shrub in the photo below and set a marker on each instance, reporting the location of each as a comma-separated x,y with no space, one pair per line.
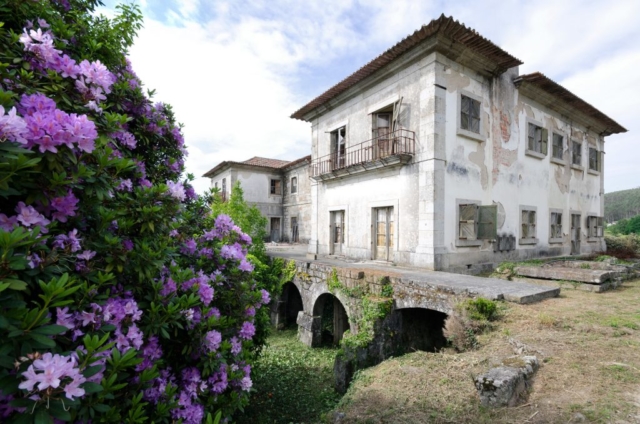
623,247
120,296
469,318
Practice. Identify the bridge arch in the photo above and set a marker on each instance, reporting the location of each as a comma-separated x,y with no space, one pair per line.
291,304
421,329
330,320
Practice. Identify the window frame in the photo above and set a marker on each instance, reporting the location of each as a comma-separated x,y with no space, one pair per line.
576,165
552,239
337,150
477,222
559,160
597,233
542,144
293,188
275,189
477,136
598,158
530,239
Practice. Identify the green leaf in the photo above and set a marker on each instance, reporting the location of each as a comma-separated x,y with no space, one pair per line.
51,329
90,387
92,370
100,407
42,416
43,340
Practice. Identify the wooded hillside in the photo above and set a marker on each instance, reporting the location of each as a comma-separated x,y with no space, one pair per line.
621,204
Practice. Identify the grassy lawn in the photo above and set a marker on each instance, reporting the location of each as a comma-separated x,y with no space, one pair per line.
294,383
589,346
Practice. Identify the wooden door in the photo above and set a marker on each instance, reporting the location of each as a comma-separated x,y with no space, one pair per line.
575,234
384,230
275,229
337,232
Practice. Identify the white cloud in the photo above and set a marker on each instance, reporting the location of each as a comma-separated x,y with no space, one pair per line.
235,70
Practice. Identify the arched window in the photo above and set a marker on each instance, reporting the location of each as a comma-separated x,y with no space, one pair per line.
294,185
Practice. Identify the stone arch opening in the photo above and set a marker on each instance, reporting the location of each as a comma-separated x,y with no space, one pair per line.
291,305
330,321
422,329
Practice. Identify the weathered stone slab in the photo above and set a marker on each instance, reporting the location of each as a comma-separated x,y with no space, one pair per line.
591,276
506,385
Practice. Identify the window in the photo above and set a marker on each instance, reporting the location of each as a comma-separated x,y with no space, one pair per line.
477,222
595,225
469,114
558,146
555,227
381,129
537,139
528,225
216,184
275,187
338,148
223,191
294,185
576,153
595,159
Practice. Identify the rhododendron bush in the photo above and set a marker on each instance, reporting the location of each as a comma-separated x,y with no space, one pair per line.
121,299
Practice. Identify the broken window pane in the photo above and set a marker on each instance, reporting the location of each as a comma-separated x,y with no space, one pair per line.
576,153
558,146
469,114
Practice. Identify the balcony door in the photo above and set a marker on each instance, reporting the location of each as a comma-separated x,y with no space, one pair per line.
338,148
383,234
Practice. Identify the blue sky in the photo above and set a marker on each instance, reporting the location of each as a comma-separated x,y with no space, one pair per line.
235,70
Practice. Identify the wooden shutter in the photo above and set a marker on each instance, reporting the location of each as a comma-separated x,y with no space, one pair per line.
487,222
396,115
544,142
468,219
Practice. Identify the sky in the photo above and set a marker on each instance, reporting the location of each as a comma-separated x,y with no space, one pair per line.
235,70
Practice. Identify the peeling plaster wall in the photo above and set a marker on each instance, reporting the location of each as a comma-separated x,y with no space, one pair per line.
497,170
449,166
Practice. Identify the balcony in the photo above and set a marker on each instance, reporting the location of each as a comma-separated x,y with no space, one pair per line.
392,149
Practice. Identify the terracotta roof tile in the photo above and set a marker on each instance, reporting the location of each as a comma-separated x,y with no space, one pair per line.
266,162
554,89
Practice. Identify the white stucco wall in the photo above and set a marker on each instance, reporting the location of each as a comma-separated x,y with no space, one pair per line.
448,167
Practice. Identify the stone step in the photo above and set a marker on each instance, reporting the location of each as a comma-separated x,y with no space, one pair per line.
590,276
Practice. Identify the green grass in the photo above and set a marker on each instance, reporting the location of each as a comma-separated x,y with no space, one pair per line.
293,383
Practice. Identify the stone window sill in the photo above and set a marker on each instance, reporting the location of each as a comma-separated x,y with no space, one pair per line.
556,240
593,239
577,167
471,135
558,161
593,172
528,241
468,243
534,154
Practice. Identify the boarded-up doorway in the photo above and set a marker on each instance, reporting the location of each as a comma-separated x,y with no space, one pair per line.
383,236
275,229
575,234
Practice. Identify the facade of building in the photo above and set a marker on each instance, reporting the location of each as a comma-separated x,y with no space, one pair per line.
280,189
438,154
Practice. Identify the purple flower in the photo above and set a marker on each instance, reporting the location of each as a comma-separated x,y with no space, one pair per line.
247,331
65,206
213,340
12,127
176,190
189,248
218,380
64,318
28,216
50,371
87,255
205,291
8,223
266,298
223,224
125,185
250,311
236,345
245,265
127,245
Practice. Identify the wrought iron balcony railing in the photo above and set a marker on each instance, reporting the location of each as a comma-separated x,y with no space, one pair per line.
385,149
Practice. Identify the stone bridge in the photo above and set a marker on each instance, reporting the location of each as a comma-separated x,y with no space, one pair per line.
420,295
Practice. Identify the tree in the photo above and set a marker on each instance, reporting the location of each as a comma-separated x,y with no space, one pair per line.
120,297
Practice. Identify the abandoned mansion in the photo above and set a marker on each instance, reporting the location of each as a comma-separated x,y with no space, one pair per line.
439,154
